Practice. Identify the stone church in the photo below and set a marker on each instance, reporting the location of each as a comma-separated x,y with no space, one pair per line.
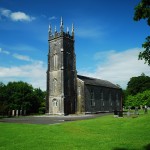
69,93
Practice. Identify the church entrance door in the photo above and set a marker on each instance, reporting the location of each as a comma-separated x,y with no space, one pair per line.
55,106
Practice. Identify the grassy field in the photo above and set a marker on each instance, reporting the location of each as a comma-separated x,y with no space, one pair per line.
104,133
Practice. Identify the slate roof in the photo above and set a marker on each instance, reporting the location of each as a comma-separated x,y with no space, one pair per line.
97,82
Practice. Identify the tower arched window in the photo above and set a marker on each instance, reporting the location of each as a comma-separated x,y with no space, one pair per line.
54,85
55,59
55,103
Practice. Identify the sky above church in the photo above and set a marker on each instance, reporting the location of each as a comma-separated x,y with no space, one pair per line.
107,39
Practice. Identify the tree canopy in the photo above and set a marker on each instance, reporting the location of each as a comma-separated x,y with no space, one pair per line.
138,91
142,11
138,84
21,96
142,98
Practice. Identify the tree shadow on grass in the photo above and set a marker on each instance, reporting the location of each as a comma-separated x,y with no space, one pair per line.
146,147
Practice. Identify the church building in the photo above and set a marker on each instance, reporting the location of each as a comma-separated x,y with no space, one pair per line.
69,93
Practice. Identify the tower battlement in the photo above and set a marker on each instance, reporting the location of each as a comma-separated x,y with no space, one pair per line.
59,34
56,34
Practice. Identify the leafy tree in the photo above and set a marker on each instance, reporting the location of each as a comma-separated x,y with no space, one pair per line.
146,53
22,96
138,99
3,100
124,96
142,11
19,95
138,84
41,98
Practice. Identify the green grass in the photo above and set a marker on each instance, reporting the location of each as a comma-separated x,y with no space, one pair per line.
104,133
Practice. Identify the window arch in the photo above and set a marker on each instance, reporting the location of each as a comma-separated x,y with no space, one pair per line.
110,99
55,60
101,95
117,99
54,85
55,103
92,98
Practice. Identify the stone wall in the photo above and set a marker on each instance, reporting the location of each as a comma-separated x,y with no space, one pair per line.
109,101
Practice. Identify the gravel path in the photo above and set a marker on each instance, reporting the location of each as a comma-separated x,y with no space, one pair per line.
49,119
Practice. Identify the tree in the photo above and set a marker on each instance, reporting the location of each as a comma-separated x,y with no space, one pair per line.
142,11
3,100
41,98
138,84
142,98
22,96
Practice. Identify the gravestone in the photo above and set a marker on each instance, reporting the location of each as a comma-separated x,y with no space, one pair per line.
136,112
145,109
13,112
20,112
16,112
128,113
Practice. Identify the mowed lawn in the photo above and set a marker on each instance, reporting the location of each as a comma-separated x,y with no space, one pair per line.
103,133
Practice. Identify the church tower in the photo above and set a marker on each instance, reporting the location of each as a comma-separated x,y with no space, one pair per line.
61,72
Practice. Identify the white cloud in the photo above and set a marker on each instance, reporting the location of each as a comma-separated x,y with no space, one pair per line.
119,67
15,16
5,12
35,74
22,57
4,52
21,16
52,18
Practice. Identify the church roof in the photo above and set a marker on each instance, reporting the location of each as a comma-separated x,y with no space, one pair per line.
97,82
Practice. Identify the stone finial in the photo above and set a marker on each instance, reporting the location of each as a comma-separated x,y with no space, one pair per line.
61,25
61,22
72,29
49,30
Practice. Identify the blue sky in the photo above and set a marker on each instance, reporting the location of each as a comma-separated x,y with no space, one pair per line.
107,40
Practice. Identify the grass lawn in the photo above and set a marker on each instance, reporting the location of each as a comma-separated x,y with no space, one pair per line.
104,133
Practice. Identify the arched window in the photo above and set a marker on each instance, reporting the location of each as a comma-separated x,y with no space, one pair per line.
92,98
110,99
101,95
55,59
55,103
54,85
117,99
